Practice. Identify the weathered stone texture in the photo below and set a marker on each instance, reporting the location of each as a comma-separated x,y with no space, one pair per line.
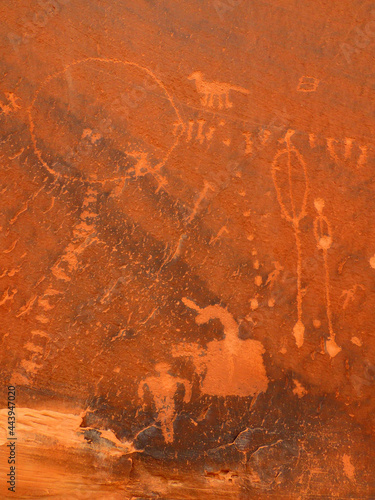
187,248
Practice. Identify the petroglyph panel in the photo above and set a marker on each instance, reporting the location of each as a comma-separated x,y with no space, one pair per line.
187,253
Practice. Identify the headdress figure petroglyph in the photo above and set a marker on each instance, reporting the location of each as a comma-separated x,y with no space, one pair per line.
323,236
228,367
163,388
289,175
215,94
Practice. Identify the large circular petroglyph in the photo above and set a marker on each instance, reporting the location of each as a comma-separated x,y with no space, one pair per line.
102,119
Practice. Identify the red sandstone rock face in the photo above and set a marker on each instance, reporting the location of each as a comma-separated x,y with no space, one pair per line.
187,254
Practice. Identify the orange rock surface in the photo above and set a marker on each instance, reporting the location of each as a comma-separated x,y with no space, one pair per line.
187,253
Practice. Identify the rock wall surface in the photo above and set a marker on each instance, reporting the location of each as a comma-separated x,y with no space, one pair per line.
187,249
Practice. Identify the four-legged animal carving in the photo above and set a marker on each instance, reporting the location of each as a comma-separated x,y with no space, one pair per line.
214,93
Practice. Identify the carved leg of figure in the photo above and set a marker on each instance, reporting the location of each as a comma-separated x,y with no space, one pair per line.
166,423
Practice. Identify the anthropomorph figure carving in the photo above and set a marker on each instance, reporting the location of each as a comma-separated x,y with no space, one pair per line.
215,93
163,388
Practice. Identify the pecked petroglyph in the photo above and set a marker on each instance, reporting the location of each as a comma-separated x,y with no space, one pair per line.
255,143
299,390
349,469
84,235
228,367
190,262
323,236
289,171
12,105
143,167
8,295
198,130
99,141
214,239
308,84
274,275
349,295
347,150
207,187
163,388
211,131
215,94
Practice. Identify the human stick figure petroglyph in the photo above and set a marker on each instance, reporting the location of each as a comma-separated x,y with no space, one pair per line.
215,93
350,294
143,167
228,367
290,163
273,276
323,236
12,105
163,388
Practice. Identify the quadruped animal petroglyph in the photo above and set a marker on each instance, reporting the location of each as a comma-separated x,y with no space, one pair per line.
215,94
